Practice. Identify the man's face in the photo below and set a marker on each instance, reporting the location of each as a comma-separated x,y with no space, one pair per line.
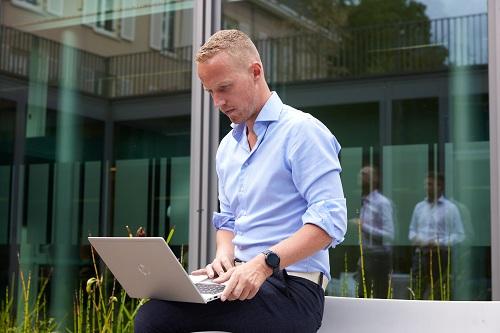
368,179
434,188
231,85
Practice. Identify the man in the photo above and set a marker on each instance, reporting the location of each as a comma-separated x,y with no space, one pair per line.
435,227
377,233
281,206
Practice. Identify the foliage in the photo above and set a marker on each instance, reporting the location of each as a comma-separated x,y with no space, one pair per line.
96,311
97,307
368,37
33,317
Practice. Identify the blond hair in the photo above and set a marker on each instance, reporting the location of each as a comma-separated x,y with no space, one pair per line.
234,42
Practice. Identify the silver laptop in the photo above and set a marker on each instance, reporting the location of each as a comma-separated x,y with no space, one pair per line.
146,267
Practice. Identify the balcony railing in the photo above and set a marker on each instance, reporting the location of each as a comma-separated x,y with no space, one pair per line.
31,57
392,49
378,50
150,72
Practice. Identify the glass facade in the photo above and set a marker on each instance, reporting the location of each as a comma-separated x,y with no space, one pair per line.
403,85
103,91
96,133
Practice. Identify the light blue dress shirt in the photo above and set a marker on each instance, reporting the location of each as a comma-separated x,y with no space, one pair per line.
291,177
376,220
436,223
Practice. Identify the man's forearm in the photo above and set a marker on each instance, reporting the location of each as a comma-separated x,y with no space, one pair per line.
224,241
305,242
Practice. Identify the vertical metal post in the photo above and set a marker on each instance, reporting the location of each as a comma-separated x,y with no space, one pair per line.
494,91
204,141
17,189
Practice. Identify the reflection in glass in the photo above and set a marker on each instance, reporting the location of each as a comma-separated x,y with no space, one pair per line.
403,85
103,88
376,225
435,228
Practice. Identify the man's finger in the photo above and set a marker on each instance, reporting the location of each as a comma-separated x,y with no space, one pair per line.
244,294
210,271
223,278
229,288
201,271
217,268
237,291
252,293
227,263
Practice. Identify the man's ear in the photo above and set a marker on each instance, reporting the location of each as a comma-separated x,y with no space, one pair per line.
256,69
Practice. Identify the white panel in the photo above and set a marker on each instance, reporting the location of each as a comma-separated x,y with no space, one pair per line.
404,169
55,7
155,31
127,30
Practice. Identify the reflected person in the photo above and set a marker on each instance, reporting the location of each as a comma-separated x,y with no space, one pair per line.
377,231
436,226
282,206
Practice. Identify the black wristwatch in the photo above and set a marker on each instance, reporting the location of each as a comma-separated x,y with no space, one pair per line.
272,260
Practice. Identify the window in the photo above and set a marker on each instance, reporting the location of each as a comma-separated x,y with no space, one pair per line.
115,18
54,7
105,15
162,36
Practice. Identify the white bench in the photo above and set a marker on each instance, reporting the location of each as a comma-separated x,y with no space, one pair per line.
350,315
354,315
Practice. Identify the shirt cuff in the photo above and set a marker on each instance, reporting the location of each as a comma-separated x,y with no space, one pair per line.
331,216
223,221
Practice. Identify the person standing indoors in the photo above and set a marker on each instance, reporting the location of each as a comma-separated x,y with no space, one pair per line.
435,227
282,206
377,233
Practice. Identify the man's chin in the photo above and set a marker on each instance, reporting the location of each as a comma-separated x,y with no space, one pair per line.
235,120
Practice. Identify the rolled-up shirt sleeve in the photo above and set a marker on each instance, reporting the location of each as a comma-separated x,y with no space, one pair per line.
316,174
223,221
330,216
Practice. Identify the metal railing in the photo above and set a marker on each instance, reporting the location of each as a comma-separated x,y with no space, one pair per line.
408,47
150,72
391,49
31,57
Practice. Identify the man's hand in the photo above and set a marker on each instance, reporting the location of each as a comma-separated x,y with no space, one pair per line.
244,281
221,264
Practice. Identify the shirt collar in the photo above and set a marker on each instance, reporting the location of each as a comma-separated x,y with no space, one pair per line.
440,200
270,112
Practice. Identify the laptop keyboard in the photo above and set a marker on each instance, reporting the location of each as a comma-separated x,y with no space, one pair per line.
206,288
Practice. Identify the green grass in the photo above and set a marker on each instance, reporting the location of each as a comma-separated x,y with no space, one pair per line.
33,317
96,310
99,305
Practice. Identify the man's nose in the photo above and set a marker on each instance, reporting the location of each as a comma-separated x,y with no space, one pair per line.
218,101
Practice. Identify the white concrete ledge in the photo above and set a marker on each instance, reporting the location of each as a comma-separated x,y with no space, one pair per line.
354,315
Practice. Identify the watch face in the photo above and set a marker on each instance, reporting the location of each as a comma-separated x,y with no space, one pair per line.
273,260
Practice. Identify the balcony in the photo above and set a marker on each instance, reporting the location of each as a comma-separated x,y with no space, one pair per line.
370,51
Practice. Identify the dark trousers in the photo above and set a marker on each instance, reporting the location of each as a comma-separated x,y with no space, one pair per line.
283,304
377,269
430,281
